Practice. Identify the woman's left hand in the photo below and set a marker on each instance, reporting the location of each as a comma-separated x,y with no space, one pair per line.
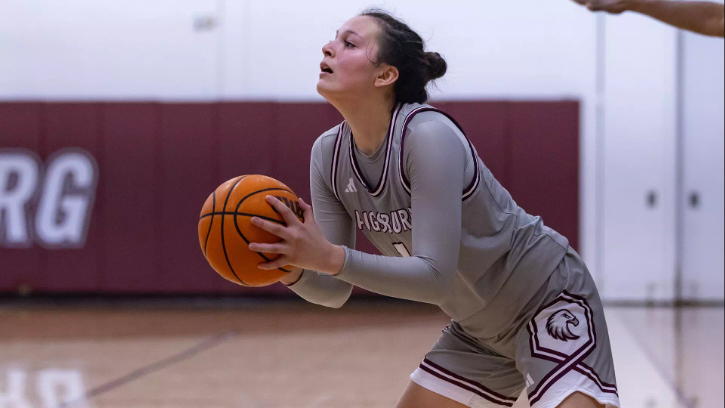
302,245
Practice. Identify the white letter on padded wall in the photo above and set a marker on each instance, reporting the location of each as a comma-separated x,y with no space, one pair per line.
25,167
67,200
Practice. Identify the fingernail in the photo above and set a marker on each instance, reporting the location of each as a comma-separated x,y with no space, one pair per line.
255,220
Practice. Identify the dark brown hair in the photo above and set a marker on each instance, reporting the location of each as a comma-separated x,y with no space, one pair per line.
403,48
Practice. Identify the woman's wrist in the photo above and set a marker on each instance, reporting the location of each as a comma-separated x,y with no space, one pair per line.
635,5
336,260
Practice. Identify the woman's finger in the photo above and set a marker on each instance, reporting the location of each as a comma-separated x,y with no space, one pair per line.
268,248
277,263
289,217
269,226
307,211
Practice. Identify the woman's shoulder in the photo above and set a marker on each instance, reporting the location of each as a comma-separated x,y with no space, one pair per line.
326,141
416,115
430,129
324,147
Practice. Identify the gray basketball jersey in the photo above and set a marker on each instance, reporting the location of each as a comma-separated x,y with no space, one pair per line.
505,254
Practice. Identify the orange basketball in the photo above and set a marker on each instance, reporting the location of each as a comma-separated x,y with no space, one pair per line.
225,228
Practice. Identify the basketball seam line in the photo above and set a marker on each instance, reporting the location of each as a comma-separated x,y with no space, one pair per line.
236,225
224,248
245,215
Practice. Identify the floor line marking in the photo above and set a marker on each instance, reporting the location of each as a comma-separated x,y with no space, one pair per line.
204,345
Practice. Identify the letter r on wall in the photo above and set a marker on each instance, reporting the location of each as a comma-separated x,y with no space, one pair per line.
19,174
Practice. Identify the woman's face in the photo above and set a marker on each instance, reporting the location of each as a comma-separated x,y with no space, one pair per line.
347,68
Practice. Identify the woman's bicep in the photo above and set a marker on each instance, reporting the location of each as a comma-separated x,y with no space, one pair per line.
436,163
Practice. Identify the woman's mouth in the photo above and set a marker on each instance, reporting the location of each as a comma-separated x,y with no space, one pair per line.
325,69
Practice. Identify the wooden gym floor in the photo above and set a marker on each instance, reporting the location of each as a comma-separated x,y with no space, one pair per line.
284,354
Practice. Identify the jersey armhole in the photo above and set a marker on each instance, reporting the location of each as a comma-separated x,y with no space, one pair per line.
475,181
335,160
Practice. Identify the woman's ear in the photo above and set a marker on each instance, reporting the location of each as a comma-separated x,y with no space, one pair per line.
387,76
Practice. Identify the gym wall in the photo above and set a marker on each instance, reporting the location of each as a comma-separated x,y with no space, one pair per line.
154,164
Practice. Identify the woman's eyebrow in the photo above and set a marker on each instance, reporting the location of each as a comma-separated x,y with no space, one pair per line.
337,34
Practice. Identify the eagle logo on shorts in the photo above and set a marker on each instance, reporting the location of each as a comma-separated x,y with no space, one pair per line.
558,325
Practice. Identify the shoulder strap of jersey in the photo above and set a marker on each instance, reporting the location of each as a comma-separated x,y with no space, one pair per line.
468,191
335,156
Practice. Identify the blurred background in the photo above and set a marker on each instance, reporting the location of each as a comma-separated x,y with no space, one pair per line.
118,119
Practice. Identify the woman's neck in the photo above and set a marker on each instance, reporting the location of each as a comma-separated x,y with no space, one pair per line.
369,123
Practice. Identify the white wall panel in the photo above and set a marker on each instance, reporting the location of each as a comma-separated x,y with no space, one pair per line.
282,44
111,49
703,263
639,156
232,49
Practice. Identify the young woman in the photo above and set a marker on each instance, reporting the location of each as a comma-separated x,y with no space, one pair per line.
525,312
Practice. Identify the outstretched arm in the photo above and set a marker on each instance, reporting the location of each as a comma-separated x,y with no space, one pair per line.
701,17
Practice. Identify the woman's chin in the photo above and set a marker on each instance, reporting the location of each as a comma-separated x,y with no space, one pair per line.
323,88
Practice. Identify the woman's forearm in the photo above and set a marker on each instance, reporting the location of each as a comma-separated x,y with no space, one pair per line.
700,16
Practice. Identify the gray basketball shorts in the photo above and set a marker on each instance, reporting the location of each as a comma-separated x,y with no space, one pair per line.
557,346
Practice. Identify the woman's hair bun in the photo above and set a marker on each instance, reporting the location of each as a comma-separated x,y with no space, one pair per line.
404,49
436,65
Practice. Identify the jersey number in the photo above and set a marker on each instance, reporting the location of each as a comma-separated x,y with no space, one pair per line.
402,250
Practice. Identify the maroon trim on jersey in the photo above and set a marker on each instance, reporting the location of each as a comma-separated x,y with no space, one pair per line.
383,177
335,153
472,186
588,372
592,375
469,385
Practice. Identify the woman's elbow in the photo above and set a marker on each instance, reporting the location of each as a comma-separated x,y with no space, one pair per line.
445,279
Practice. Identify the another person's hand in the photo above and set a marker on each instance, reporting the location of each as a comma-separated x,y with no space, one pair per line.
610,6
302,245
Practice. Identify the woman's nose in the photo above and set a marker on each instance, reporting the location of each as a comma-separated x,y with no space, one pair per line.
328,50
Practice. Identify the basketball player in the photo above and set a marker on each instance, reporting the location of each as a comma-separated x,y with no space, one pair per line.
701,17
525,311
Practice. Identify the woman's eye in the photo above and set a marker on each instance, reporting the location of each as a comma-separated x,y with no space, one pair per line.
349,44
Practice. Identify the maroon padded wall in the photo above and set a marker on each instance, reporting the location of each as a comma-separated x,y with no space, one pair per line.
158,162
